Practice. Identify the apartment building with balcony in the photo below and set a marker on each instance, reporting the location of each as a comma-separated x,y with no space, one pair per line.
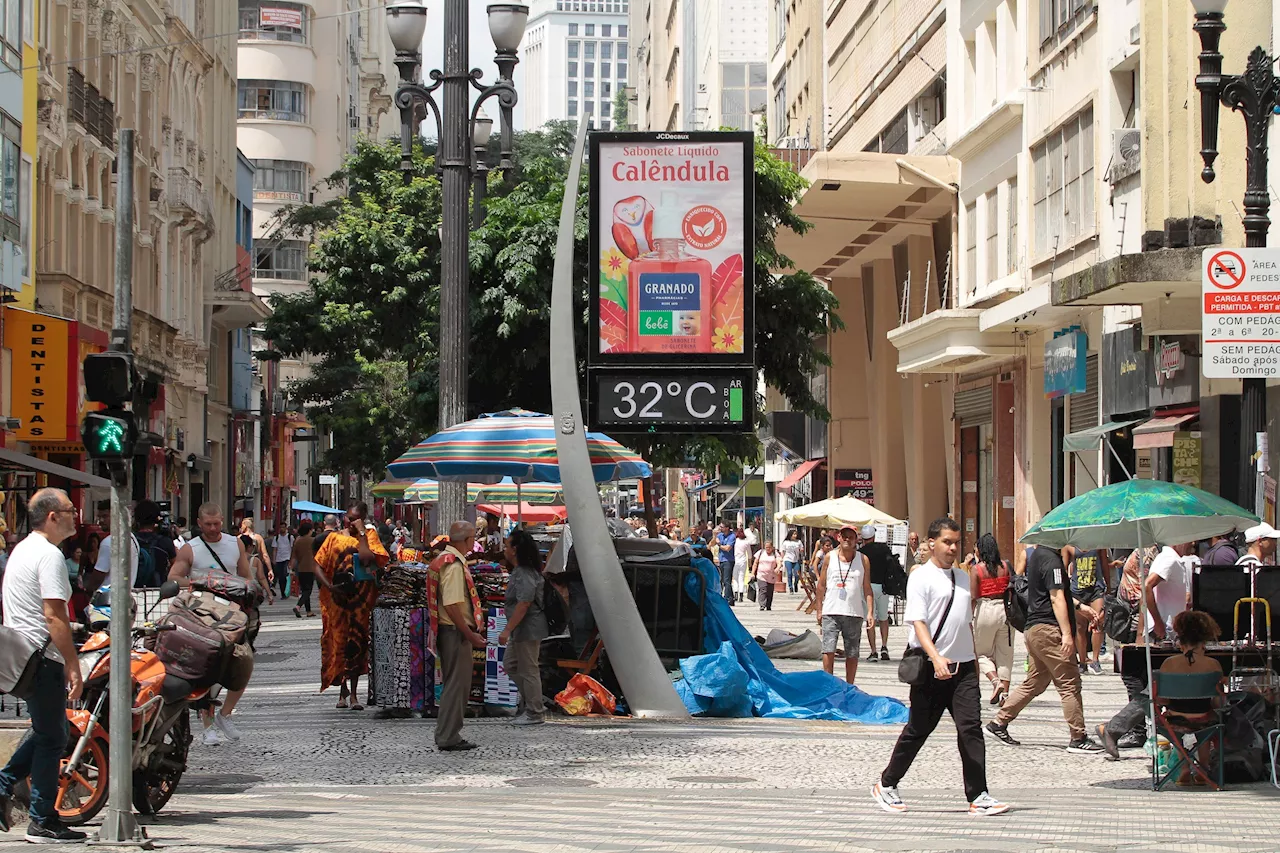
1010,209
313,77
96,75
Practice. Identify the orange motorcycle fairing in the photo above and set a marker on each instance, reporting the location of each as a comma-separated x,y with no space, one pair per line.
97,641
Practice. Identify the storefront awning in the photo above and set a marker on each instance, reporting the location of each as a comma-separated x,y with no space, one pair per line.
802,470
22,462
697,490
1087,439
1158,432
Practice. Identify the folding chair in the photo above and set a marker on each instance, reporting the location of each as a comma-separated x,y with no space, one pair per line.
1202,728
809,605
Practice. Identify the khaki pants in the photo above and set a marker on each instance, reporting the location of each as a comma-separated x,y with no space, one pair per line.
1047,663
992,639
456,667
521,662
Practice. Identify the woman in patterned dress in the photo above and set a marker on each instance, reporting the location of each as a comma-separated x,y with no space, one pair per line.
347,597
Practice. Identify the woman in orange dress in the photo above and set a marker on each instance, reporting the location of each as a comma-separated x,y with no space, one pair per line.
345,567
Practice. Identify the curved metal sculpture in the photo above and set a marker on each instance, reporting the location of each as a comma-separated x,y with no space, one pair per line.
645,683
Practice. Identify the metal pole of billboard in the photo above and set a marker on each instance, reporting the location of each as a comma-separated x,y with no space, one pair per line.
1255,94
631,654
119,827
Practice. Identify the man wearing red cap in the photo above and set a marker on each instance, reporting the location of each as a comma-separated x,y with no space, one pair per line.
845,602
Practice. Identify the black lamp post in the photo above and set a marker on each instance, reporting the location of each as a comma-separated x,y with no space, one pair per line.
464,137
1254,94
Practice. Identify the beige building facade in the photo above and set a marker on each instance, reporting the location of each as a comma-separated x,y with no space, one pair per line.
93,79
1003,184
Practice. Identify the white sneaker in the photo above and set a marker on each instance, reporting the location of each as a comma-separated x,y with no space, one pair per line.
213,736
888,799
227,727
987,805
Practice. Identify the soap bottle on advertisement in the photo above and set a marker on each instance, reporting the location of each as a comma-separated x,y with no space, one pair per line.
670,289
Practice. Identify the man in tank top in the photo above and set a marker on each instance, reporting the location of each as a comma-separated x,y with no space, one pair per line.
845,603
215,551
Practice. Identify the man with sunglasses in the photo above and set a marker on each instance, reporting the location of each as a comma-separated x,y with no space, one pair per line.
36,591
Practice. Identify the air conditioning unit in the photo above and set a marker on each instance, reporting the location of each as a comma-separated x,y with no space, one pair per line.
1126,153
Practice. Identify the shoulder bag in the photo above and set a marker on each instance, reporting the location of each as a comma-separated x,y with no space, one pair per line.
20,658
915,668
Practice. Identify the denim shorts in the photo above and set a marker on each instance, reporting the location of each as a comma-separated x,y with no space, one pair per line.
848,626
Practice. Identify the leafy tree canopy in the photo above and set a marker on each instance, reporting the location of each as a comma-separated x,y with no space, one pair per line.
370,317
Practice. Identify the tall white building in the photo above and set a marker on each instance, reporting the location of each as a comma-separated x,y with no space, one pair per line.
313,77
700,66
574,57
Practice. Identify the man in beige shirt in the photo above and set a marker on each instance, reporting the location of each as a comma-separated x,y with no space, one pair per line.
456,636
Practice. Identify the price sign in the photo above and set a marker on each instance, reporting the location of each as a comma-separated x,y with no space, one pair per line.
673,400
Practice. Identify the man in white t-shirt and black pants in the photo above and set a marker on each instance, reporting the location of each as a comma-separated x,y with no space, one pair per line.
36,592
936,588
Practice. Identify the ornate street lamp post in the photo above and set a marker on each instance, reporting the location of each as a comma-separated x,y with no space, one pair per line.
1254,94
464,136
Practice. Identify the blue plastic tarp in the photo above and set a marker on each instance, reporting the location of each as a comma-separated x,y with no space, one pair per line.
713,683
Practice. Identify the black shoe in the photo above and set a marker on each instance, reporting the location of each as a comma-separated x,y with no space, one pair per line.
1001,733
1108,743
460,746
873,657
53,832
884,653
1132,740
1085,746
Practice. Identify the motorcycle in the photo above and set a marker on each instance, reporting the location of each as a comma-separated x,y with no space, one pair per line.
161,730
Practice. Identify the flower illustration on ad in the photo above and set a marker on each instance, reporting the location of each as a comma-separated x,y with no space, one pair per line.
727,339
614,264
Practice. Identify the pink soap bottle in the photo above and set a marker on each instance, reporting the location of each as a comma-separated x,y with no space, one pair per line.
669,291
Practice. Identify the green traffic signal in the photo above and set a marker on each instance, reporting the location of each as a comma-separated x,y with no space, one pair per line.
109,434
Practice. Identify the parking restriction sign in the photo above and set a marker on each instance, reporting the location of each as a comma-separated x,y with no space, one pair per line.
1241,313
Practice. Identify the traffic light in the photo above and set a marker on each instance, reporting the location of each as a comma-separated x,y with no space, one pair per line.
109,435
108,378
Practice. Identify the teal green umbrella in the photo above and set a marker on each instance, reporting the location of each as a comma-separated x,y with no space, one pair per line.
1137,513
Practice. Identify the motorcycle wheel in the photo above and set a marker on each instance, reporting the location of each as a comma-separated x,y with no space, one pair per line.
83,794
152,788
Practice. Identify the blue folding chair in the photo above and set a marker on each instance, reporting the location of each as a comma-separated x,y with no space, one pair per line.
1202,728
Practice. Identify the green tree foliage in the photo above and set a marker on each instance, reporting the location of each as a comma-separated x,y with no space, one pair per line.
370,316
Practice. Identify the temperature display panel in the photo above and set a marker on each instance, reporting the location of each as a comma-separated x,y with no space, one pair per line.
677,399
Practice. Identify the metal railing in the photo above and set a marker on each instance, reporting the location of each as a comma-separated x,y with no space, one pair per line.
274,115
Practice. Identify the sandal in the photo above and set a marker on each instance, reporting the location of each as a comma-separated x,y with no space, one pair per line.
357,707
342,703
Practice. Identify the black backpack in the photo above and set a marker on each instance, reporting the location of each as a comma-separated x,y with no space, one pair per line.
895,577
1017,601
1121,621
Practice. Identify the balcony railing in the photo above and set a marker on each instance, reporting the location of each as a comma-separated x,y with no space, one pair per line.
75,96
185,195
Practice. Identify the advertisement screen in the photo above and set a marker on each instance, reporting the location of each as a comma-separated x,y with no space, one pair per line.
671,224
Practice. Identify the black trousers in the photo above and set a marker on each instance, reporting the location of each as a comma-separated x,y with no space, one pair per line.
726,582
961,696
306,580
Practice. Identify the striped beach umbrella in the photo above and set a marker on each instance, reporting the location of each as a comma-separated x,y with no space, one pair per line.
518,444
428,491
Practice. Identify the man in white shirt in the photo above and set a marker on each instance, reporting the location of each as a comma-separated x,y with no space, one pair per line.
1166,589
939,608
102,568
1260,542
36,592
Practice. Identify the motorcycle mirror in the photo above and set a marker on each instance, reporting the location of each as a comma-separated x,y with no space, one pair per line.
168,589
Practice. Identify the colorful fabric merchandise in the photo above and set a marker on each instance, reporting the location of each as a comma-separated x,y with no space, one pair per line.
345,615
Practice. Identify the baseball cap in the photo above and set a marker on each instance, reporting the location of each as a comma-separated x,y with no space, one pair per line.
850,528
868,531
1261,531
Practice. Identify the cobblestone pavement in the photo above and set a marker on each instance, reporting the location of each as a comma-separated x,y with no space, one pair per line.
310,777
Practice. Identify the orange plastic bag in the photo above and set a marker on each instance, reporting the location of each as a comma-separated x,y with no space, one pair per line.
584,695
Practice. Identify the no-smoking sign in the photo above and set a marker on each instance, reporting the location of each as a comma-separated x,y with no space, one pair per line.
1241,313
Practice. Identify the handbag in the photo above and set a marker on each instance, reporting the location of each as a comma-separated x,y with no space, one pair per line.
915,667
751,590
20,658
